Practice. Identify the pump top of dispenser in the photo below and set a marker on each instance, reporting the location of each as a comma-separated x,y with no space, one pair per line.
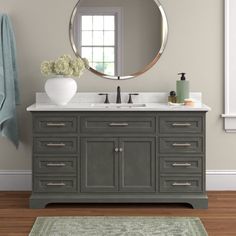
182,76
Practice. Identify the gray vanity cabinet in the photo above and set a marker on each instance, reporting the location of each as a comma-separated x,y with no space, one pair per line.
119,157
137,162
99,164
117,165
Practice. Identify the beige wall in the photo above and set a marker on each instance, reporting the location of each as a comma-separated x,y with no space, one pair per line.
195,45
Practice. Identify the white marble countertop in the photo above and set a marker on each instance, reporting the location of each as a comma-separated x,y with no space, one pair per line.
89,107
94,102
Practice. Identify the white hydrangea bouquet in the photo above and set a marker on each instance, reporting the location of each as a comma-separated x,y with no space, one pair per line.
64,66
60,86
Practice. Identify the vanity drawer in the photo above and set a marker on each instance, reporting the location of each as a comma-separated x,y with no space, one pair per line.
181,164
118,124
180,124
57,145
181,145
55,124
55,165
181,184
55,184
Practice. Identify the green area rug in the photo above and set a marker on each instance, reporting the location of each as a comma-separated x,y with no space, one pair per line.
118,226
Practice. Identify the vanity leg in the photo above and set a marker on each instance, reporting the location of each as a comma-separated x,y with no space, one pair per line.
199,203
38,204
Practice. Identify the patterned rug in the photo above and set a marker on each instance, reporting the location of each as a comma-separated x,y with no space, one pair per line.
118,226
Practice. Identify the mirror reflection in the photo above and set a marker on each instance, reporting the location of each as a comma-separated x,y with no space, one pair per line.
120,38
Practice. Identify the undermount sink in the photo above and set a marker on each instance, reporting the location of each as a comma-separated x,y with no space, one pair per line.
118,105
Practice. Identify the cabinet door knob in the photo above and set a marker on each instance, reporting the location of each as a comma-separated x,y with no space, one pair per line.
116,149
121,150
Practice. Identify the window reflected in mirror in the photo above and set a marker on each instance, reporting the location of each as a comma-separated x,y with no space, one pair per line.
98,39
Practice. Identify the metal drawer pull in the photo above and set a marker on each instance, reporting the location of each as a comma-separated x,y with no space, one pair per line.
181,144
182,184
56,124
181,164
56,164
56,184
118,124
56,144
181,124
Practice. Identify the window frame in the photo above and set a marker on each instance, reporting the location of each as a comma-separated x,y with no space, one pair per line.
117,12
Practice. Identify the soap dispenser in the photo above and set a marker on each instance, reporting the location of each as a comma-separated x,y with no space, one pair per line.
182,88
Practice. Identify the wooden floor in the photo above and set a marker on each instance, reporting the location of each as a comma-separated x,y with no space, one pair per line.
17,219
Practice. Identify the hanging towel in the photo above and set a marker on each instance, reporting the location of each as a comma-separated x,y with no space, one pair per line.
9,91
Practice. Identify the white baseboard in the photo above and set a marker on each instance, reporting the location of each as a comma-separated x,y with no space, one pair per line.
21,180
17,180
221,180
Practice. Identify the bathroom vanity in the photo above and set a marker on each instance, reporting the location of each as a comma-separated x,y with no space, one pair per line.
90,153
140,152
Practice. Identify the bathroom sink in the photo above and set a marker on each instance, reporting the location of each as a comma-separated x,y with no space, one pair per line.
117,105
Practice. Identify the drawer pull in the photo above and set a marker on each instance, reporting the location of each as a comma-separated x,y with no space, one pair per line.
182,184
181,164
56,124
56,164
56,184
56,144
181,144
121,150
181,124
118,124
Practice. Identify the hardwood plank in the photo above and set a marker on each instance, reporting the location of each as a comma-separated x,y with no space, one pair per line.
16,219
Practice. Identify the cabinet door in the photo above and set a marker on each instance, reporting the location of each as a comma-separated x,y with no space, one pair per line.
99,165
137,165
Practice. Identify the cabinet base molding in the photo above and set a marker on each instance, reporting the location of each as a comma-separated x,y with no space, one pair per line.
199,201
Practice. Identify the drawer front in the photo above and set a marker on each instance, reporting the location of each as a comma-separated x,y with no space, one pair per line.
180,124
55,165
181,184
54,124
181,145
55,145
55,184
118,124
181,164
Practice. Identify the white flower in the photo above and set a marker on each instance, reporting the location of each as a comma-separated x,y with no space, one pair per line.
65,65
47,68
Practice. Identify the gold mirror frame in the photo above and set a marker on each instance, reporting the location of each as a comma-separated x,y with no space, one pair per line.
151,64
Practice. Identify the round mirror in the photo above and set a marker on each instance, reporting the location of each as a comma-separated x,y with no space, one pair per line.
121,39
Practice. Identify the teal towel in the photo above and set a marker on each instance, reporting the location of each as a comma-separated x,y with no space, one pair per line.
9,91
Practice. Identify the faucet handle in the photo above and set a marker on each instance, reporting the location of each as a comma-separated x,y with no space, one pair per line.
130,97
106,99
